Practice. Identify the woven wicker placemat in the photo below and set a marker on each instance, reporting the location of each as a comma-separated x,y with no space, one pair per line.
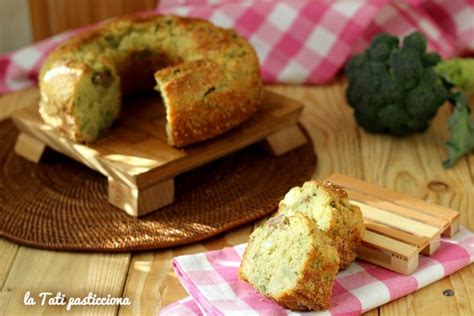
62,205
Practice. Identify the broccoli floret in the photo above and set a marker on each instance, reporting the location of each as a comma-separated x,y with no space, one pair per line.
394,89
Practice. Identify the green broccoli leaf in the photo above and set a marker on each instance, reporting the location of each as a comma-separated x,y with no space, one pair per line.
461,128
458,72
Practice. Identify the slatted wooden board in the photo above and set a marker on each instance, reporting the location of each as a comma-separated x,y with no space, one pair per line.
137,160
398,227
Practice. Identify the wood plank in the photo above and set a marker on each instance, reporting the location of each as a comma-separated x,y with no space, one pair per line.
422,217
74,274
152,283
29,147
278,112
49,17
403,222
413,166
8,251
39,19
148,160
12,102
140,202
330,125
141,164
419,242
285,140
397,221
387,259
385,243
431,301
397,198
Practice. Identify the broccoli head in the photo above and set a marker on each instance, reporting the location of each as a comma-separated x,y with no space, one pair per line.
394,89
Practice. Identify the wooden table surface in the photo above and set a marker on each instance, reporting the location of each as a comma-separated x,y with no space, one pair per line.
411,165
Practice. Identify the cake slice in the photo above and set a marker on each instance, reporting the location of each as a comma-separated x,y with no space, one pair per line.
328,206
197,106
292,262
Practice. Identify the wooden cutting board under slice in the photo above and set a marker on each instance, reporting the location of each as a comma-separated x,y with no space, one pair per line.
398,227
136,159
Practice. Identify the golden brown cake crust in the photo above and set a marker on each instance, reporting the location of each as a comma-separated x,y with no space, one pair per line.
349,238
317,296
219,89
346,224
337,191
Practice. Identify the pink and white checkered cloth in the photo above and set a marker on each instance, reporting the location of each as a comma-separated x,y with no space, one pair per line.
214,288
297,41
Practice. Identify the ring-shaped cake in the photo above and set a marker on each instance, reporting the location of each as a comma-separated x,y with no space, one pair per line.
208,77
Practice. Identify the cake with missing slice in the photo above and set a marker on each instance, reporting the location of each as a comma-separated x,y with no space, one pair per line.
208,77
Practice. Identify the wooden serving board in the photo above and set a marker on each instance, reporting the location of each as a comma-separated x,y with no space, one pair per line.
137,160
398,227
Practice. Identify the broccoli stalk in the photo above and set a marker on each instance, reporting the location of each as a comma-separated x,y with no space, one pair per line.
397,90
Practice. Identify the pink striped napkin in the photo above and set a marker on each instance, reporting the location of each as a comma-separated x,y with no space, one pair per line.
214,288
297,41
